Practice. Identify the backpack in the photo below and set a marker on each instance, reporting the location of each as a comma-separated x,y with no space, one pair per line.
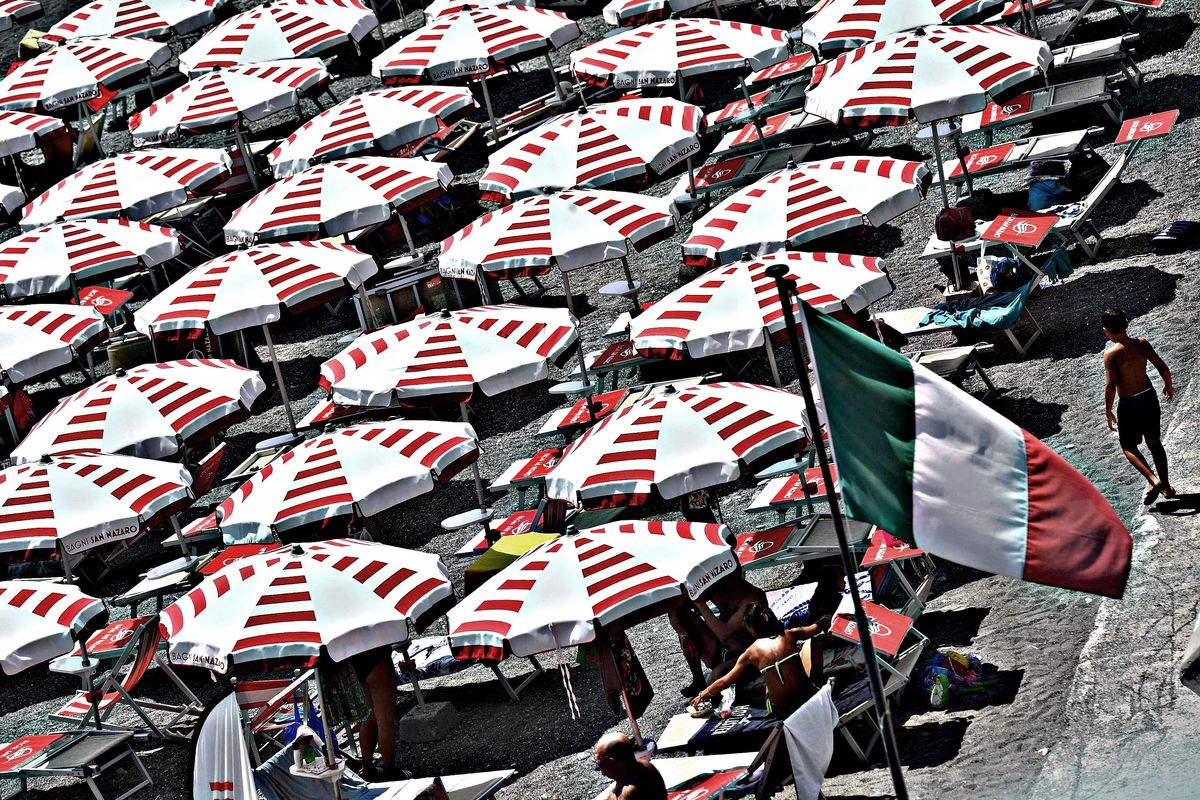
1008,275
954,224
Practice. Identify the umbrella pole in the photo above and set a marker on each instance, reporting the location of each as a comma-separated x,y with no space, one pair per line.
488,535
408,238
17,172
770,350
12,425
567,290
487,103
239,136
883,713
937,156
287,405
326,723
554,79
633,297
369,321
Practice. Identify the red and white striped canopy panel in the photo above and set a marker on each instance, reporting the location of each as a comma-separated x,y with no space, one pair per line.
253,287
13,12
441,357
359,470
345,595
554,595
141,19
677,442
627,13
842,24
78,70
378,122
594,147
39,622
219,99
79,502
21,131
802,203
36,339
569,230
149,411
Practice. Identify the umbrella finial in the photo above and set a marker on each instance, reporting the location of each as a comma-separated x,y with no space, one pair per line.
746,256
297,550
119,372
571,530
777,271
45,459
670,389
791,164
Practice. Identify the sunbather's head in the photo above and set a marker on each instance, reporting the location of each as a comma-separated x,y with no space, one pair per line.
1115,322
614,755
831,578
761,621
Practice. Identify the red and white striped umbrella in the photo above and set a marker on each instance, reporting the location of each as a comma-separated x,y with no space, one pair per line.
142,19
36,339
737,306
569,230
220,99
150,411
54,257
843,24
279,30
79,502
134,185
343,595
594,147
338,197
253,287
357,471
930,74
805,202
381,122
556,594
14,12
21,131
663,53
440,8
473,42
628,13
677,442
442,357
79,70
40,621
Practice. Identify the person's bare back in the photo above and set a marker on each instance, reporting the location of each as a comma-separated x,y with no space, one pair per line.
1128,361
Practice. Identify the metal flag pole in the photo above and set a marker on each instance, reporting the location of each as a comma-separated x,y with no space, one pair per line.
786,287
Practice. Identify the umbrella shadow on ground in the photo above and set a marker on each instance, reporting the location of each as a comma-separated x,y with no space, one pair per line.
1160,34
1040,418
49,686
956,628
953,576
1171,91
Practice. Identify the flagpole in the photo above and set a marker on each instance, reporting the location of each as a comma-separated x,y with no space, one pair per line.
785,287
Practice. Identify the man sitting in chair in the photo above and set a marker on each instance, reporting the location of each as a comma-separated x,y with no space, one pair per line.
632,780
715,640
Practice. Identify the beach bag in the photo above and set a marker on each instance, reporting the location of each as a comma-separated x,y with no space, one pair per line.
954,224
1008,274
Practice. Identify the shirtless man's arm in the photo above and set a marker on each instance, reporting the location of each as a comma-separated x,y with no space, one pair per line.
1110,388
1154,358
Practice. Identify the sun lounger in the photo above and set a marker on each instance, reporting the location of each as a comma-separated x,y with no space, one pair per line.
85,755
614,358
784,493
785,128
956,363
856,706
993,312
1009,156
775,100
527,473
431,657
807,540
1047,101
1115,51
1129,11
907,574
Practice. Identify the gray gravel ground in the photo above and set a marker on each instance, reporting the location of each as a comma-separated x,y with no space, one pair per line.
995,745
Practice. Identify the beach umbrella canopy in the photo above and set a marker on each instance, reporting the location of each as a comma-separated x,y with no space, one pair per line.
663,53
556,594
54,257
473,42
804,202
36,339
14,12
141,19
338,197
79,502
40,621
357,471
150,411
343,595
736,307
79,70
569,230
441,7
279,30
380,122
442,357
253,287
593,147
929,74
222,99
134,185
676,442
628,13
21,131
843,24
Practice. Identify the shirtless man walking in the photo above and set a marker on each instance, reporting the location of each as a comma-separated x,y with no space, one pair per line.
1138,415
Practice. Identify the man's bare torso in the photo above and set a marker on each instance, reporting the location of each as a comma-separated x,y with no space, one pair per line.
1128,363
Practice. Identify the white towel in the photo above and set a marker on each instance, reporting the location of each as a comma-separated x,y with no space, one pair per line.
809,733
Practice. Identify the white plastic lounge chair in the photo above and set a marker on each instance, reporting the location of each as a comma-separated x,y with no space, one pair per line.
855,704
85,755
957,363
1047,101
806,540
431,657
1116,51
1009,156
910,322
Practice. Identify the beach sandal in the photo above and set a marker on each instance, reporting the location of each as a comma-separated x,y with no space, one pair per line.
1151,495
702,709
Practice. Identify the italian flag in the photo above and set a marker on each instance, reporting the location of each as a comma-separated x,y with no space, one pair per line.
935,467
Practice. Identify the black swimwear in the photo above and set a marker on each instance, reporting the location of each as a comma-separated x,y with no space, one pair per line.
1138,418
364,663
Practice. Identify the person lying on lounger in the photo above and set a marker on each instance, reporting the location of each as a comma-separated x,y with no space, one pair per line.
714,640
616,758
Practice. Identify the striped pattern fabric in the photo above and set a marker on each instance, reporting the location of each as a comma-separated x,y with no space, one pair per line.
568,230
378,122
555,595
77,71
134,185
141,19
594,147
442,357
255,286
802,203
39,622
149,411
280,30
78,502
628,13
360,470
37,339
338,197
838,25
676,442
220,99
347,596
20,131
473,42
440,8
47,259
737,307
661,53
930,74
16,11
